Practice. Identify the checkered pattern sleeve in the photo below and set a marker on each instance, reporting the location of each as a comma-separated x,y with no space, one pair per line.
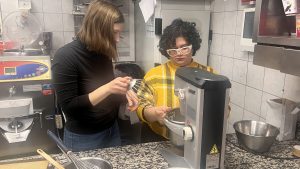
146,98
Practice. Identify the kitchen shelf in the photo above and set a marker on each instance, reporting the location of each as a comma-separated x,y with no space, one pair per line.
77,13
276,47
280,40
247,2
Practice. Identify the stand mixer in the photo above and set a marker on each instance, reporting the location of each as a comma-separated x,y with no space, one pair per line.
204,104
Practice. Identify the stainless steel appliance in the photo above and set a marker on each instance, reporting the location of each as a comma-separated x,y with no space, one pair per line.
26,105
255,136
274,31
204,104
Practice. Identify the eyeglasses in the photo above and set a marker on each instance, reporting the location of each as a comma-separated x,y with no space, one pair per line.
184,50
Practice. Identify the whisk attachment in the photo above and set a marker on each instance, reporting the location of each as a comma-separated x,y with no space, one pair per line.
135,84
79,164
143,90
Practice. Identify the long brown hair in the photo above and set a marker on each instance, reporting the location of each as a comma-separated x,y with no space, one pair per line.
97,31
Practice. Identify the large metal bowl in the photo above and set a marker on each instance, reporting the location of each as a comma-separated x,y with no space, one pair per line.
255,136
99,162
174,117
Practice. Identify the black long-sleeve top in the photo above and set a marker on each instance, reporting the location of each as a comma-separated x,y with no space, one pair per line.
77,72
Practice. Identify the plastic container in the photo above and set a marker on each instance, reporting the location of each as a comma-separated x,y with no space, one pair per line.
6,45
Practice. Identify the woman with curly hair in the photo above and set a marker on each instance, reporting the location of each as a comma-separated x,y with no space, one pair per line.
179,42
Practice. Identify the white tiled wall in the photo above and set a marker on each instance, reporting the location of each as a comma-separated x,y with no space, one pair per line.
54,15
252,85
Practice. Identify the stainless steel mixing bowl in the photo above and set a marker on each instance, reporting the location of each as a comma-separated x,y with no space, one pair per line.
174,117
255,136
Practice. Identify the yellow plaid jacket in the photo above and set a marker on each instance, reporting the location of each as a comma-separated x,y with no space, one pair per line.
157,89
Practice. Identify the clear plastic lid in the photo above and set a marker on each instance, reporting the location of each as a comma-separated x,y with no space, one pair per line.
22,28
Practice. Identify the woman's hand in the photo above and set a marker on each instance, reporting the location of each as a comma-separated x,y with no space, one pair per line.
119,85
158,114
133,100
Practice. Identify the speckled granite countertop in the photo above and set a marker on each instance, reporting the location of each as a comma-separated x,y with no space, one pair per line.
148,155
138,156
279,157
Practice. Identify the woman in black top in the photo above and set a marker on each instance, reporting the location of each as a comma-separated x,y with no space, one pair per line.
83,78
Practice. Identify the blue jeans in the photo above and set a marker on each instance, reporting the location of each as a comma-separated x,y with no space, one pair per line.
82,142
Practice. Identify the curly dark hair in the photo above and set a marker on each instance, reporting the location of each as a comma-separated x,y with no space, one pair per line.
179,28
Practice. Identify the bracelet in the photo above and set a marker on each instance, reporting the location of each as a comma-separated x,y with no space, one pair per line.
143,114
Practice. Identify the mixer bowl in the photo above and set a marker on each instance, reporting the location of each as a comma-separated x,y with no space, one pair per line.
99,162
255,136
174,117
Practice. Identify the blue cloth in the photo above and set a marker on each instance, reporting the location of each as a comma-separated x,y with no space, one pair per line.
82,142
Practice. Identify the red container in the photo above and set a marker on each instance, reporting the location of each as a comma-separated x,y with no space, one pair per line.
6,45
247,2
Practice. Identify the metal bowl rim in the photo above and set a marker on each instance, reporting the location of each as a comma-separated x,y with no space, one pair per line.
235,128
96,158
175,122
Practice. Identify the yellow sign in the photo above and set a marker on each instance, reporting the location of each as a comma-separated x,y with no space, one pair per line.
214,149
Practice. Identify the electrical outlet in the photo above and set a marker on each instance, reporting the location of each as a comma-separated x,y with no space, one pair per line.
24,4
